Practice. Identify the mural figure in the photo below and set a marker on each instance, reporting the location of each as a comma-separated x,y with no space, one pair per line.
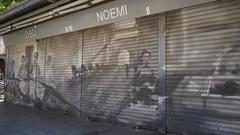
12,83
36,89
144,82
48,98
32,86
23,79
144,94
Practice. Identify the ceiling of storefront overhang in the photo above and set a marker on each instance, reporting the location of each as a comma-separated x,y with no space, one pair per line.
35,11
23,8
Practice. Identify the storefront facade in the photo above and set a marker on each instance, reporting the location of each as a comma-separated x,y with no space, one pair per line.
164,66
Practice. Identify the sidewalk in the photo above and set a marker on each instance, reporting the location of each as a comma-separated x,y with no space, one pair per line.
20,120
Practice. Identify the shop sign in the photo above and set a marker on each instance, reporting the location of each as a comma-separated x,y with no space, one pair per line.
31,33
112,13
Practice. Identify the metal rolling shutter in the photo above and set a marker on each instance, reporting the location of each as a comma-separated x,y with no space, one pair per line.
18,73
203,68
58,56
111,60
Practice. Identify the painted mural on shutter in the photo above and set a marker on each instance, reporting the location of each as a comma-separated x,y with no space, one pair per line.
120,63
47,74
203,69
20,60
61,78
112,74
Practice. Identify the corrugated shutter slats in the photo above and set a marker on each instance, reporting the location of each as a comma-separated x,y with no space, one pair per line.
110,54
202,62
